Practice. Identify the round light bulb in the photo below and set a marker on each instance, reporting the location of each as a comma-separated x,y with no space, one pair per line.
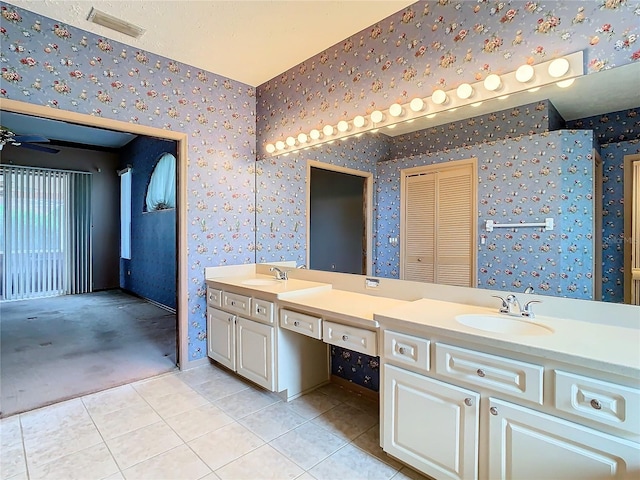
395,110
416,105
524,73
566,83
377,116
280,145
314,134
291,141
558,68
327,130
464,91
439,97
270,148
343,126
302,137
493,82
359,121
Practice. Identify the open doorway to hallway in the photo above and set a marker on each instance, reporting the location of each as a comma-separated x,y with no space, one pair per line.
141,338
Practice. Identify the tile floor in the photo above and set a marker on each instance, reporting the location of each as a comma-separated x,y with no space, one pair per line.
205,423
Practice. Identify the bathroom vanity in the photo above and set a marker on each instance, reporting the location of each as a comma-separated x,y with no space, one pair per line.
465,392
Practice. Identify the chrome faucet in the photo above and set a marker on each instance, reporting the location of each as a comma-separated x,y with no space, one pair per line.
511,306
280,275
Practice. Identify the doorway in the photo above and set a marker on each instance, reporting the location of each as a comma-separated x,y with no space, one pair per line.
339,219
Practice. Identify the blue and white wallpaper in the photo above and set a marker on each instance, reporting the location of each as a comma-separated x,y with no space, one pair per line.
48,63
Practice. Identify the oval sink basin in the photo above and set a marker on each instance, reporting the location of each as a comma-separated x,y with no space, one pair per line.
260,281
503,324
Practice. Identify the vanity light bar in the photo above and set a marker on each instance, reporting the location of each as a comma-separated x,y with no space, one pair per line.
547,225
560,71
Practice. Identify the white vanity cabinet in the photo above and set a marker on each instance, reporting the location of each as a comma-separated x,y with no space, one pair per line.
454,412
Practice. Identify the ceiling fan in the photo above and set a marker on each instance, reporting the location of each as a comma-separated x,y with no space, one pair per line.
26,141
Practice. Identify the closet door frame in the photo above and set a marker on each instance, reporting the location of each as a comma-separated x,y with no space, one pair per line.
441,167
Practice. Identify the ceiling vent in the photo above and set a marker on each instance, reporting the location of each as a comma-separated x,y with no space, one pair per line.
101,18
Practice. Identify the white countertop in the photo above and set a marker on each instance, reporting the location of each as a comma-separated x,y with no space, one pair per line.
611,348
274,289
348,307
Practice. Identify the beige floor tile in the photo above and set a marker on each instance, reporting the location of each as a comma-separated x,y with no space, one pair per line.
246,402
409,474
306,476
352,463
312,404
221,387
10,431
19,476
272,421
197,422
108,401
337,392
262,463
53,418
12,458
369,441
224,445
176,403
211,476
72,434
178,463
115,476
203,374
142,444
161,386
307,445
345,421
127,419
91,463
365,404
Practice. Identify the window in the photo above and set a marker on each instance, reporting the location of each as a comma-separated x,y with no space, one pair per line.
125,213
161,192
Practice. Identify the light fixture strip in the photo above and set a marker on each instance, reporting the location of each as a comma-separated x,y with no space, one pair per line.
509,86
114,23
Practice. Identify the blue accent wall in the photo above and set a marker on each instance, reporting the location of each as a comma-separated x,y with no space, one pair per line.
151,272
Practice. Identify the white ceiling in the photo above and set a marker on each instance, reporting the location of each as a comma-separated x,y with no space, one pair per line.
245,40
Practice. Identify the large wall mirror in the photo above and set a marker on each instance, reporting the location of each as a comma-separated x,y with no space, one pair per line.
537,158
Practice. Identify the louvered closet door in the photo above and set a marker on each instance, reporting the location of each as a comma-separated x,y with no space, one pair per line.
635,235
419,238
453,227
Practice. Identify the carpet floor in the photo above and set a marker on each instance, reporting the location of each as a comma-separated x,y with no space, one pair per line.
53,349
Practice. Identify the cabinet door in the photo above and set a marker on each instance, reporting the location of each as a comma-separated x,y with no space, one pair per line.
255,352
525,444
431,425
221,337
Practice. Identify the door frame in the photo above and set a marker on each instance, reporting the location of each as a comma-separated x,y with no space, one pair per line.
367,198
181,139
627,237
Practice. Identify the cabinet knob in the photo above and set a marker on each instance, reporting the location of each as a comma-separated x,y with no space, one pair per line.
595,403
402,350
480,372
493,411
233,304
345,338
260,310
419,259
296,323
468,401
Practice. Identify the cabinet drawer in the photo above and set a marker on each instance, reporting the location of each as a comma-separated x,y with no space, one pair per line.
353,338
599,401
262,310
406,350
214,297
498,374
233,302
301,323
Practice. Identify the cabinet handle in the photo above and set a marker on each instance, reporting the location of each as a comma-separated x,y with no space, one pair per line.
468,401
345,338
595,403
493,411
296,323
480,372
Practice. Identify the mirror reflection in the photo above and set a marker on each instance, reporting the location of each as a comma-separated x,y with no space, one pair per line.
532,164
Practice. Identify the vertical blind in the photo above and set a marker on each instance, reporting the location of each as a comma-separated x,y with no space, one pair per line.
45,239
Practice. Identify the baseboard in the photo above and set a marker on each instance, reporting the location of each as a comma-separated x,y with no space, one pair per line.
195,363
355,388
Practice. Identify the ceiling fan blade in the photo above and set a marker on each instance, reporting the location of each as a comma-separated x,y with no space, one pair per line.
30,138
39,148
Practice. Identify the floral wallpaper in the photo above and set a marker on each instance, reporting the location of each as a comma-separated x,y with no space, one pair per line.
441,44
618,134
48,63
361,369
